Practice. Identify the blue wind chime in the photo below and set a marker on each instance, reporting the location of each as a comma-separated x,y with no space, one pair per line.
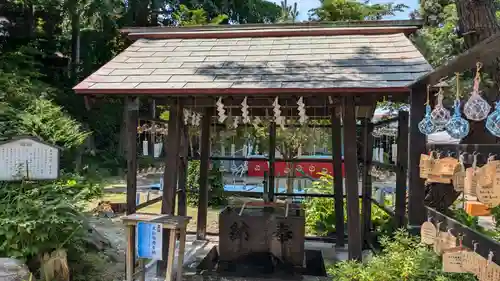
475,109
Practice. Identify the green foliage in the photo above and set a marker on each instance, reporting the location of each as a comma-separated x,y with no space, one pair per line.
36,218
403,258
345,10
320,212
215,185
193,17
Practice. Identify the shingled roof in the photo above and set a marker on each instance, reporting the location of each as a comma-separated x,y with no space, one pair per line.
280,63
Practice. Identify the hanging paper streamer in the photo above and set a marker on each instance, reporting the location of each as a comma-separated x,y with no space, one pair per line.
394,152
158,147
302,111
187,115
493,121
426,126
278,119
145,148
476,108
256,122
458,127
299,151
244,111
221,112
440,116
236,121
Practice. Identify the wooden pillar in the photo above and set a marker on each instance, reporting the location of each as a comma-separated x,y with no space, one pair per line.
417,142
402,169
170,174
366,180
338,178
183,171
131,122
201,226
354,239
272,159
132,112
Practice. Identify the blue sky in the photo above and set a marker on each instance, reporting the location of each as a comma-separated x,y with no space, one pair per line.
306,5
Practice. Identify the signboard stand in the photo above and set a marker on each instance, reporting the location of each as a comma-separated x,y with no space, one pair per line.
28,158
148,243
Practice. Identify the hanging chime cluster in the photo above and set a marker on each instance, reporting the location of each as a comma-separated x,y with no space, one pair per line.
156,130
475,109
456,257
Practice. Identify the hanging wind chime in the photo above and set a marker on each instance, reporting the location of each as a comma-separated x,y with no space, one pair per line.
493,121
440,116
426,126
457,127
476,108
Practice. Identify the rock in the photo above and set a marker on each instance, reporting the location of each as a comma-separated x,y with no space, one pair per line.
13,270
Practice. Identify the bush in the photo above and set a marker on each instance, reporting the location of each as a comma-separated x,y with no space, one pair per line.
215,185
403,258
39,217
320,212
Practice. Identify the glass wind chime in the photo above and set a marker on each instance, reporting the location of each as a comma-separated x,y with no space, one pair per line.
457,127
475,109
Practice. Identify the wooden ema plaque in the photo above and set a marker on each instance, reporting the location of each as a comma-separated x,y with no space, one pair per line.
488,185
428,233
444,241
452,260
470,182
426,162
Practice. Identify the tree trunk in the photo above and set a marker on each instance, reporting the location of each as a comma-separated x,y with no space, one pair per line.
477,21
75,40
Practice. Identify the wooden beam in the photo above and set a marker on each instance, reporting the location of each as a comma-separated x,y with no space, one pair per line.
402,169
366,180
201,225
151,137
183,171
355,241
484,52
417,146
338,178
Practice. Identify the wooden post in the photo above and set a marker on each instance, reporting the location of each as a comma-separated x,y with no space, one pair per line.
272,159
354,239
183,171
417,142
201,225
132,111
366,180
402,169
131,122
170,174
338,178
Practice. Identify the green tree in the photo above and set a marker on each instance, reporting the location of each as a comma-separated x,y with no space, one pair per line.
344,10
289,13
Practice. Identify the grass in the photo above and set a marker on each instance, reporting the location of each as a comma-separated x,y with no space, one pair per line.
212,215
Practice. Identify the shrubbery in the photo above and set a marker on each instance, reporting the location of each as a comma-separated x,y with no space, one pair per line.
403,258
216,195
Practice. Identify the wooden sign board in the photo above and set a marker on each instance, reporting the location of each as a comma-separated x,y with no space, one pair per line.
28,158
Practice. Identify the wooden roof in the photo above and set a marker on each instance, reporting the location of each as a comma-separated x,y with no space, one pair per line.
382,60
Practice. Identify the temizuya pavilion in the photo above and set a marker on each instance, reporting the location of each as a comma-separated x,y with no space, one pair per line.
341,70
